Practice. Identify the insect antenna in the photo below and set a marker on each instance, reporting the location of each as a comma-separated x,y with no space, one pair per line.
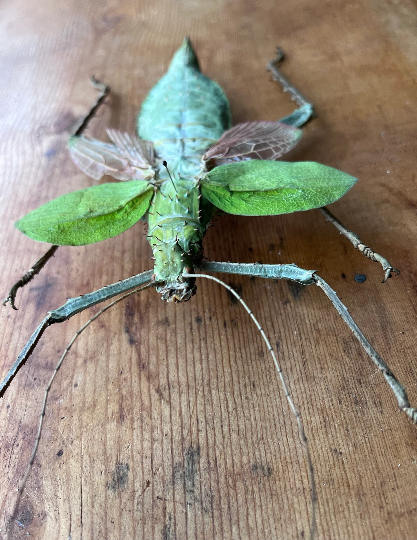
165,164
58,366
293,408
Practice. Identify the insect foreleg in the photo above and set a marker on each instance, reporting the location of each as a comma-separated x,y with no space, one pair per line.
358,244
30,274
57,368
396,386
70,308
274,271
307,277
305,112
290,270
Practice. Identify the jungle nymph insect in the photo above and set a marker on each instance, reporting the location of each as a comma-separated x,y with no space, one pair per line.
184,164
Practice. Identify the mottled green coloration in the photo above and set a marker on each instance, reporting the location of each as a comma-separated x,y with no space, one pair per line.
262,188
184,122
88,215
183,115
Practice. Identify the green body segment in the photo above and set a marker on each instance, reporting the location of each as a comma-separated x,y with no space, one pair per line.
183,115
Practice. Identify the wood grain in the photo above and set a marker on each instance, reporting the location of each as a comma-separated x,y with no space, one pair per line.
168,421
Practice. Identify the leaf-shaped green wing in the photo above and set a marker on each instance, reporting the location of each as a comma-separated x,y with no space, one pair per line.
265,188
88,215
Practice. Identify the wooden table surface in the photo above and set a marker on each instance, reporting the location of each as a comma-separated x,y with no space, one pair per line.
168,421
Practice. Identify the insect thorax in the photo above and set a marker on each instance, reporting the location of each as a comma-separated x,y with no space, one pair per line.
175,234
183,115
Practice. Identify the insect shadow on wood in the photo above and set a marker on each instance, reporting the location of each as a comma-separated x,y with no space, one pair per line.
186,163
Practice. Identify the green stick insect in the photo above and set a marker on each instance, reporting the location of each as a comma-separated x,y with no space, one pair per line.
186,163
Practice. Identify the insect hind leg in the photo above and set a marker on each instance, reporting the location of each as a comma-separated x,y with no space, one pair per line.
30,274
36,336
305,112
104,90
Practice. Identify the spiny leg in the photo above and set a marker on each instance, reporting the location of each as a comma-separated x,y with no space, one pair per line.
297,119
293,408
397,388
103,89
30,274
308,277
305,112
70,308
358,244
57,368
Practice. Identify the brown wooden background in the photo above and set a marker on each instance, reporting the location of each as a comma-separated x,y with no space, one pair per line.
167,421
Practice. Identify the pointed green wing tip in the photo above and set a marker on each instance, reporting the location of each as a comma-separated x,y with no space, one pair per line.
20,225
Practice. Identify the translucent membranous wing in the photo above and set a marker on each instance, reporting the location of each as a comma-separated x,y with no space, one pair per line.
126,158
141,152
254,140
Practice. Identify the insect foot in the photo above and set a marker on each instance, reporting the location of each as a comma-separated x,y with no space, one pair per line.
359,245
411,412
386,266
30,274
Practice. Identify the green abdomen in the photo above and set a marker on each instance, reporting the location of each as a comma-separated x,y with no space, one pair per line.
184,114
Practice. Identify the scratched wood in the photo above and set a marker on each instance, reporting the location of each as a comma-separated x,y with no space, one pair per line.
167,421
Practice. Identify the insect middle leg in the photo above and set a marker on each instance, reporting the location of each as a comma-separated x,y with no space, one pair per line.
358,244
309,277
30,274
104,90
299,118
305,112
